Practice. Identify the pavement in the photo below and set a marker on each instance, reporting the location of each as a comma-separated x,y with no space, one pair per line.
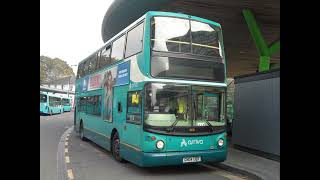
61,149
251,165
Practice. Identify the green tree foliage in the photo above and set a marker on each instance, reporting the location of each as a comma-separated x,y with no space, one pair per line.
53,69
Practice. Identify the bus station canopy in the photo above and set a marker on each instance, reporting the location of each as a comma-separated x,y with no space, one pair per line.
242,53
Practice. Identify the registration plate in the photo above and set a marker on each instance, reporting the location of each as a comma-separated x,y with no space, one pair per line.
191,159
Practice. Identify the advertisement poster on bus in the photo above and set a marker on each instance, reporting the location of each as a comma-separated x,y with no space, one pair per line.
95,82
123,74
109,79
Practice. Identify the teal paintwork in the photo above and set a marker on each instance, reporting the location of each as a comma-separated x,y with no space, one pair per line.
173,158
67,108
45,108
136,144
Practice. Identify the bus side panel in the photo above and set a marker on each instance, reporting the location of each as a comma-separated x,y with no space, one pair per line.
102,130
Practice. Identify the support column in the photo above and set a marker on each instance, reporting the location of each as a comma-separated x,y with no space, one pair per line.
264,51
264,64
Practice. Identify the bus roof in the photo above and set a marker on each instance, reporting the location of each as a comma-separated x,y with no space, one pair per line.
151,14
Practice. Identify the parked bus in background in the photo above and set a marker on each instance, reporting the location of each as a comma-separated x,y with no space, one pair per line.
155,93
66,103
50,104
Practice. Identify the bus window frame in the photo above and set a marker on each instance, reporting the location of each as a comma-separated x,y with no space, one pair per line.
98,53
108,46
92,59
215,27
80,71
188,55
143,40
124,48
93,97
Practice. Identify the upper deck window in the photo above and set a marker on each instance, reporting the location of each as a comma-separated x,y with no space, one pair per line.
182,35
186,49
134,40
105,57
204,39
170,34
117,49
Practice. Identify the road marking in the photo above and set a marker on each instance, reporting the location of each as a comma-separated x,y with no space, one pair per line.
67,159
223,172
67,138
63,159
70,174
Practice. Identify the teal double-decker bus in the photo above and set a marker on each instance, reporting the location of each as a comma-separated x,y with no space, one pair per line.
155,93
50,104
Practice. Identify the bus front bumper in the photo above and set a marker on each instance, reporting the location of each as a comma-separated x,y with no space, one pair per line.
176,158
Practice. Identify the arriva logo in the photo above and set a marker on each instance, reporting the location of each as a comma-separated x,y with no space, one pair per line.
190,142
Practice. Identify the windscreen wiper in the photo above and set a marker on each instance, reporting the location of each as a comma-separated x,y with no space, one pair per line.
195,109
209,124
170,129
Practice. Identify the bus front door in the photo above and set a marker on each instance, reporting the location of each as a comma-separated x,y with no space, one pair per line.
129,131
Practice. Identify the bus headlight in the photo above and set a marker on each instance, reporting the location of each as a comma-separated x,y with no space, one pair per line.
160,144
220,142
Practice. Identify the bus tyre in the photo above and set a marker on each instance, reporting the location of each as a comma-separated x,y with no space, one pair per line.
82,133
116,147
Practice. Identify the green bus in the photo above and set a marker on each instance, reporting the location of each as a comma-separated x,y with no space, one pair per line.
155,93
50,104
66,104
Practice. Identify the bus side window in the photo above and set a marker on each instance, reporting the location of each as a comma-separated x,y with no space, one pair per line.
92,63
105,59
80,71
118,49
134,40
134,107
86,68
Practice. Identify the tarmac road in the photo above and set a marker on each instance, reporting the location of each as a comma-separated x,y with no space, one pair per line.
84,160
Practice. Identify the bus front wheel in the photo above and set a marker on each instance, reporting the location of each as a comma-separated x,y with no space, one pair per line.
116,147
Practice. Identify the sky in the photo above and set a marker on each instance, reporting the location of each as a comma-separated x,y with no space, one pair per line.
71,29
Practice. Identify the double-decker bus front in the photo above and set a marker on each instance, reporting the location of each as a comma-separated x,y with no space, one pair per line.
184,96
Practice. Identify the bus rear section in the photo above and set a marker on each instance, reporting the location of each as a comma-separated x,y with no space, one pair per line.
66,103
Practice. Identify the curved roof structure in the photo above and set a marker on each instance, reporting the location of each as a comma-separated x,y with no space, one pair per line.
241,52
